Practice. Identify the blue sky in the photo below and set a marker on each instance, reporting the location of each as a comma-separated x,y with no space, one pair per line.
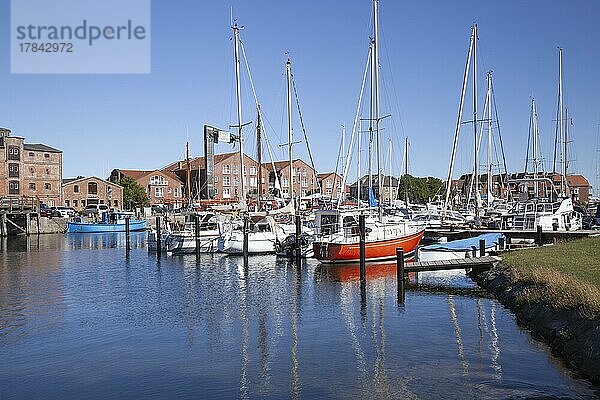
103,122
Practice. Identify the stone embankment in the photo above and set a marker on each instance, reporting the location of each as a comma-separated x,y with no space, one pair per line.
573,334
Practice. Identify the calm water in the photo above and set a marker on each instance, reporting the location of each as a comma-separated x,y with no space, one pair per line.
80,321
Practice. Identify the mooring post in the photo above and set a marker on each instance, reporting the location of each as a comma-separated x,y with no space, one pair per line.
3,231
481,247
27,223
245,244
158,238
400,274
539,235
298,239
362,249
197,232
501,242
127,245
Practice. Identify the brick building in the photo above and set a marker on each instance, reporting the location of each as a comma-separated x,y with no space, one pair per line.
162,187
29,170
226,178
331,185
304,177
81,192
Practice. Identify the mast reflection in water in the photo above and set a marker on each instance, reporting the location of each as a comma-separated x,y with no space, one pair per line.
80,320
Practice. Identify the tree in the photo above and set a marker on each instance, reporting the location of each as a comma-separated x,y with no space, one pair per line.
134,194
420,190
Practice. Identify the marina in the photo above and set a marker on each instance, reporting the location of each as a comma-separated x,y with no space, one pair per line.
373,227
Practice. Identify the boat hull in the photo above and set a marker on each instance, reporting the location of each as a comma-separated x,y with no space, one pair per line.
329,252
82,227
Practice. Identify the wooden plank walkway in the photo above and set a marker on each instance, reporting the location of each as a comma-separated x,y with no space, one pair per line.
463,263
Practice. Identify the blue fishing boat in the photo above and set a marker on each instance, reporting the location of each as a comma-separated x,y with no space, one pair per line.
111,222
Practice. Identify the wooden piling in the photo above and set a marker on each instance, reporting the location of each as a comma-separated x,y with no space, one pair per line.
127,243
197,232
362,248
158,238
298,239
27,223
245,245
539,239
3,228
501,243
400,274
481,247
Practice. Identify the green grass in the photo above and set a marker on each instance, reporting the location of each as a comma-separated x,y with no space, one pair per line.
566,275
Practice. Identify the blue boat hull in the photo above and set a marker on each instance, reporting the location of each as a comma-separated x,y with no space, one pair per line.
82,227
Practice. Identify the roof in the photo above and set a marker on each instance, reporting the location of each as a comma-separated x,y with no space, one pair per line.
137,174
324,175
279,165
578,181
198,162
40,147
386,181
67,181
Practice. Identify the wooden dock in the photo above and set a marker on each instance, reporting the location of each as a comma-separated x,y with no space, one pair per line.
547,236
485,262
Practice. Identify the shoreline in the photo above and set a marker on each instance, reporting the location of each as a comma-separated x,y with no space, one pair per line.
573,333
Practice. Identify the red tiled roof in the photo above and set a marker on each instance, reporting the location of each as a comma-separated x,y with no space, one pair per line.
577,181
136,174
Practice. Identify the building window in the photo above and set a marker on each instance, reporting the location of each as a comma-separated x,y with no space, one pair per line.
236,181
216,191
328,192
13,153
13,187
46,155
235,170
116,203
176,192
226,169
67,204
328,183
252,170
76,189
304,172
253,181
244,170
82,203
285,182
304,182
157,180
13,170
215,179
31,170
159,192
92,188
47,186
74,203
32,186
47,171
31,154
226,182
170,191
226,193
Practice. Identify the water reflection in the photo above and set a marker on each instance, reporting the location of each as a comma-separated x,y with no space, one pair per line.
78,319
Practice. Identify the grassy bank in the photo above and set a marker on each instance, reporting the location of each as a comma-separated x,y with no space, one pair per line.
566,275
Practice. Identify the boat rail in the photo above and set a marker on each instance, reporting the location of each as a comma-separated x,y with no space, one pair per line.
18,203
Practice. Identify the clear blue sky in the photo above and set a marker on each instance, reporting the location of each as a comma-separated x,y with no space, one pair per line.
103,122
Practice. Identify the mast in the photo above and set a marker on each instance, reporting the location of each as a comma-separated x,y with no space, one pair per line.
342,154
535,140
489,150
288,72
476,166
370,163
359,181
188,170
378,133
259,156
566,161
238,90
390,170
406,170
458,123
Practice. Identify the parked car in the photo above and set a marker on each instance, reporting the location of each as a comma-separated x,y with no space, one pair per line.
64,212
92,209
44,210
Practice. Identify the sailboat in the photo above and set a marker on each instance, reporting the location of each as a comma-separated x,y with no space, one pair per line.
337,238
